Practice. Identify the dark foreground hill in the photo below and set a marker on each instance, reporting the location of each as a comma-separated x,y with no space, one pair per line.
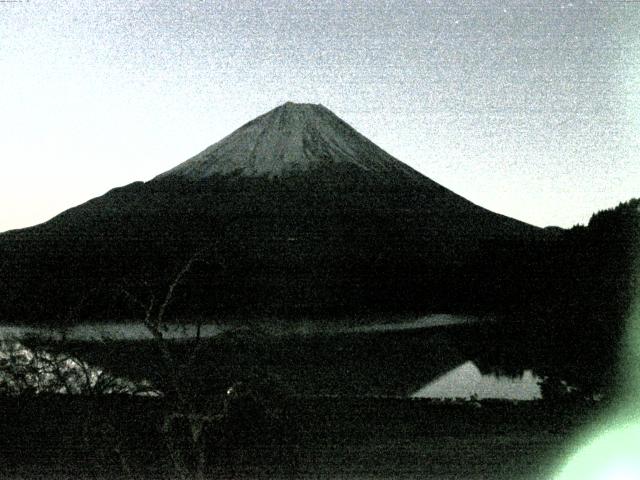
294,213
107,437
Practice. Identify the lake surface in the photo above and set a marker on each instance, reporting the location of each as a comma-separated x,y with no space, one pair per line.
136,330
107,331
463,381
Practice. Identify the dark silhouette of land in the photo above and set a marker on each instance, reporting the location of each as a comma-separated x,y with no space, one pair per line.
328,224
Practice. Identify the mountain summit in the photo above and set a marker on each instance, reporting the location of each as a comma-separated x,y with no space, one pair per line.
292,138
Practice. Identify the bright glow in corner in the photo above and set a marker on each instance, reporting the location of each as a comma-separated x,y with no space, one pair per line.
613,455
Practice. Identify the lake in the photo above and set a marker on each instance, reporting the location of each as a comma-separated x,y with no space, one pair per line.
461,379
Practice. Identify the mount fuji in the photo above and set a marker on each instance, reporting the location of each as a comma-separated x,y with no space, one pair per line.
295,213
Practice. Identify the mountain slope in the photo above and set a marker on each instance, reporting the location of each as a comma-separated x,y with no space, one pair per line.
294,213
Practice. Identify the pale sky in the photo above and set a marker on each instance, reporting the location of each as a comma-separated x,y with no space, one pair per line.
528,108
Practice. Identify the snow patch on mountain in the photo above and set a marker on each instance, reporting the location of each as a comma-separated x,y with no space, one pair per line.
292,137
